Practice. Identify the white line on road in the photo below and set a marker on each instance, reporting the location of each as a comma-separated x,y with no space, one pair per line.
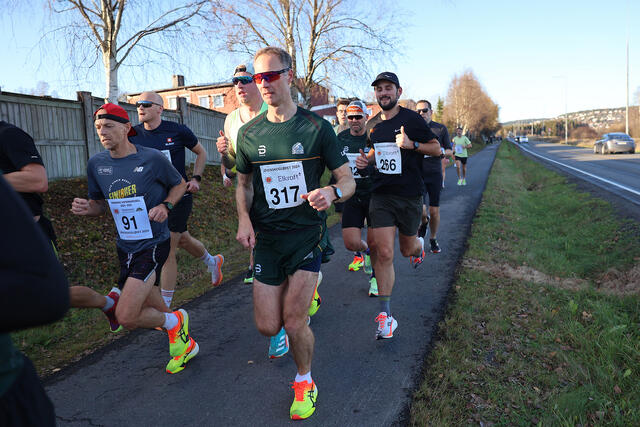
631,190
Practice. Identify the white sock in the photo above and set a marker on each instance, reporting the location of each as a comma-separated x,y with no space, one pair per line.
108,304
206,258
167,296
170,321
306,377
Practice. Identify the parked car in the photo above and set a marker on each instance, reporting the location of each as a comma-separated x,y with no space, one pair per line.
524,138
615,142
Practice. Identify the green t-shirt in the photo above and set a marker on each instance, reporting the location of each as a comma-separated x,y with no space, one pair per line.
11,362
352,145
286,159
458,147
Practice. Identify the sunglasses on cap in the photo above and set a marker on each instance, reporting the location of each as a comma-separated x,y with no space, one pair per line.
146,104
268,76
354,117
245,80
423,110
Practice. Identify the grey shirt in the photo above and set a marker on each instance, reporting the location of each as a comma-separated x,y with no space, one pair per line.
147,173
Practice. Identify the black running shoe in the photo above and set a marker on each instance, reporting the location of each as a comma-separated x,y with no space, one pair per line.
422,231
435,248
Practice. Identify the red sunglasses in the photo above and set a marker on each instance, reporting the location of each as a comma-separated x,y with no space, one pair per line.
268,76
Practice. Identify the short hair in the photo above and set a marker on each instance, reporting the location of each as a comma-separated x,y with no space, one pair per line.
426,102
282,55
343,101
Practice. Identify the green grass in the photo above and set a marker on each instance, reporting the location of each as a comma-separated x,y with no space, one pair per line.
516,352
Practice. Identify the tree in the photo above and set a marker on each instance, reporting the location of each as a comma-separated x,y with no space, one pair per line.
101,25
330,41
469,106
439,112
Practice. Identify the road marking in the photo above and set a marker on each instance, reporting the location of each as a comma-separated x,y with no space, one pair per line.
615,184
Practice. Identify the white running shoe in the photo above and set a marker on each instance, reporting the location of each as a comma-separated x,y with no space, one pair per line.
386,326
214,266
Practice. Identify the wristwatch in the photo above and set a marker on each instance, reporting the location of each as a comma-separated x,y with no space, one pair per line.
416,145
197,178
337,192
169,205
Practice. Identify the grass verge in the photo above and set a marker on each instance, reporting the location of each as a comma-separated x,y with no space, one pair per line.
536,332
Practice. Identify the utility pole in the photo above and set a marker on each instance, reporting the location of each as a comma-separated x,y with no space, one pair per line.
626,127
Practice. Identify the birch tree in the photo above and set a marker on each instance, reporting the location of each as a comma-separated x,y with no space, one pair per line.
113,29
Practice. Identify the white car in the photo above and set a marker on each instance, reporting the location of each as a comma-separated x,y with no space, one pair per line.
524,138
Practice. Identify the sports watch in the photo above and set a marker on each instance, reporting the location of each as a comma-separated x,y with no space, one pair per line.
197,178
169,205
337,192
416,145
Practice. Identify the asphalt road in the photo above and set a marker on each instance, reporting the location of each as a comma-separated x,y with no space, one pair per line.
361,381
616,173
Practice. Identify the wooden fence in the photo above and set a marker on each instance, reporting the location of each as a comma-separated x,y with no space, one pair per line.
65,137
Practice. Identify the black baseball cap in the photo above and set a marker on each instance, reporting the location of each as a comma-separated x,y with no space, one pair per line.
387,75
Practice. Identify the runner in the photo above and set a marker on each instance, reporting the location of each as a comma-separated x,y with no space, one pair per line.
433,176
460,145
171,139
251,104
139,186
356,209
281,156
341,115
399,138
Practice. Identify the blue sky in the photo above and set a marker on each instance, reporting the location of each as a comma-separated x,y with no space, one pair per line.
523,52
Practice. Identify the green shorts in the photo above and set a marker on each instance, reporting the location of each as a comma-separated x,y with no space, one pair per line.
278,255
388,210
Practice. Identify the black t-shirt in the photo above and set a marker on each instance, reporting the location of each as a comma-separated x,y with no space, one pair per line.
352,145
17,150
432,163
409,182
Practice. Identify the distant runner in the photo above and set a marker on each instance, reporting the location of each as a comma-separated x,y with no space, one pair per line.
460,145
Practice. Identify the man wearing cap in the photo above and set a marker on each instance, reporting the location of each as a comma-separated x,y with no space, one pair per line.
433,176
171,139
282,211
139,186
460,145
356,209
399,138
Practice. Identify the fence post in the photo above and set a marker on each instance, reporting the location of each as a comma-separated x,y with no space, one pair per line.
184,110
89,131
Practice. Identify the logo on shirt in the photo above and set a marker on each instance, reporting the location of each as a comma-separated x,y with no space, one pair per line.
297,148
138,169
257,268
105,170
262,150
169,141
345,150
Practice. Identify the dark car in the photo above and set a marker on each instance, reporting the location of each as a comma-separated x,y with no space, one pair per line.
615,142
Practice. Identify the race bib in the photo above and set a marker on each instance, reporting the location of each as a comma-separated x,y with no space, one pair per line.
167,154
388,158
459,149
283,184
352,164
131,217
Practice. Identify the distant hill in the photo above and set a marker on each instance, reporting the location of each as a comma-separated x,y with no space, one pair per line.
598,118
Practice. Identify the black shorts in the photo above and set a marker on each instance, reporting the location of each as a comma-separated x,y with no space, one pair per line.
49,232
356,210
389,210
432,189
26,403
339,207
179,215
140,265
463,160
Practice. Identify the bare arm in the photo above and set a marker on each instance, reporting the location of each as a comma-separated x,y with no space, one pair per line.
161,212
32,178
193,186
244,200
321,198
225,147
89,207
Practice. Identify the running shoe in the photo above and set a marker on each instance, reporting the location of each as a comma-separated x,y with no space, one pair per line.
317,299
416,261
435,248
358,261
248,277
459,182
304,403
215,268
464,181
422,231
386,326
114,325
373,287
368,268
177,364
179,334
279,344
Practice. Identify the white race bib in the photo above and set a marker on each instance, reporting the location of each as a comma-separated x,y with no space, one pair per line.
283,184
459,149
167,154
352,164
131,217
388,158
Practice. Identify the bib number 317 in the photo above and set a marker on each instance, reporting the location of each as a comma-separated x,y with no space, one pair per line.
283,184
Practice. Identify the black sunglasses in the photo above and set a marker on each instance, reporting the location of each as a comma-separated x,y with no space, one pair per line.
146,104
245,80
423,110
354,117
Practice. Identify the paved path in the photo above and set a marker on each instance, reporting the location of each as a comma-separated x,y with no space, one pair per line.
361,381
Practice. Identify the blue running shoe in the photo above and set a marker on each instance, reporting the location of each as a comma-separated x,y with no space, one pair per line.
279,345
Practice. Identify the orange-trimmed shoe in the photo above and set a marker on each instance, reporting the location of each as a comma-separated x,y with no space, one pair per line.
177,364
357,263
386,326
304,403
215,267
179,334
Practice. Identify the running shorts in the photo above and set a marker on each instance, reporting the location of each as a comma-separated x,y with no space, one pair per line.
389,210
140,265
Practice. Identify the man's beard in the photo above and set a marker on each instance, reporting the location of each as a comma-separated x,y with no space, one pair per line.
389,106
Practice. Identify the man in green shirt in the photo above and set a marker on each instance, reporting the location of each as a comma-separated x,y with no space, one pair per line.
460,145
281,211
